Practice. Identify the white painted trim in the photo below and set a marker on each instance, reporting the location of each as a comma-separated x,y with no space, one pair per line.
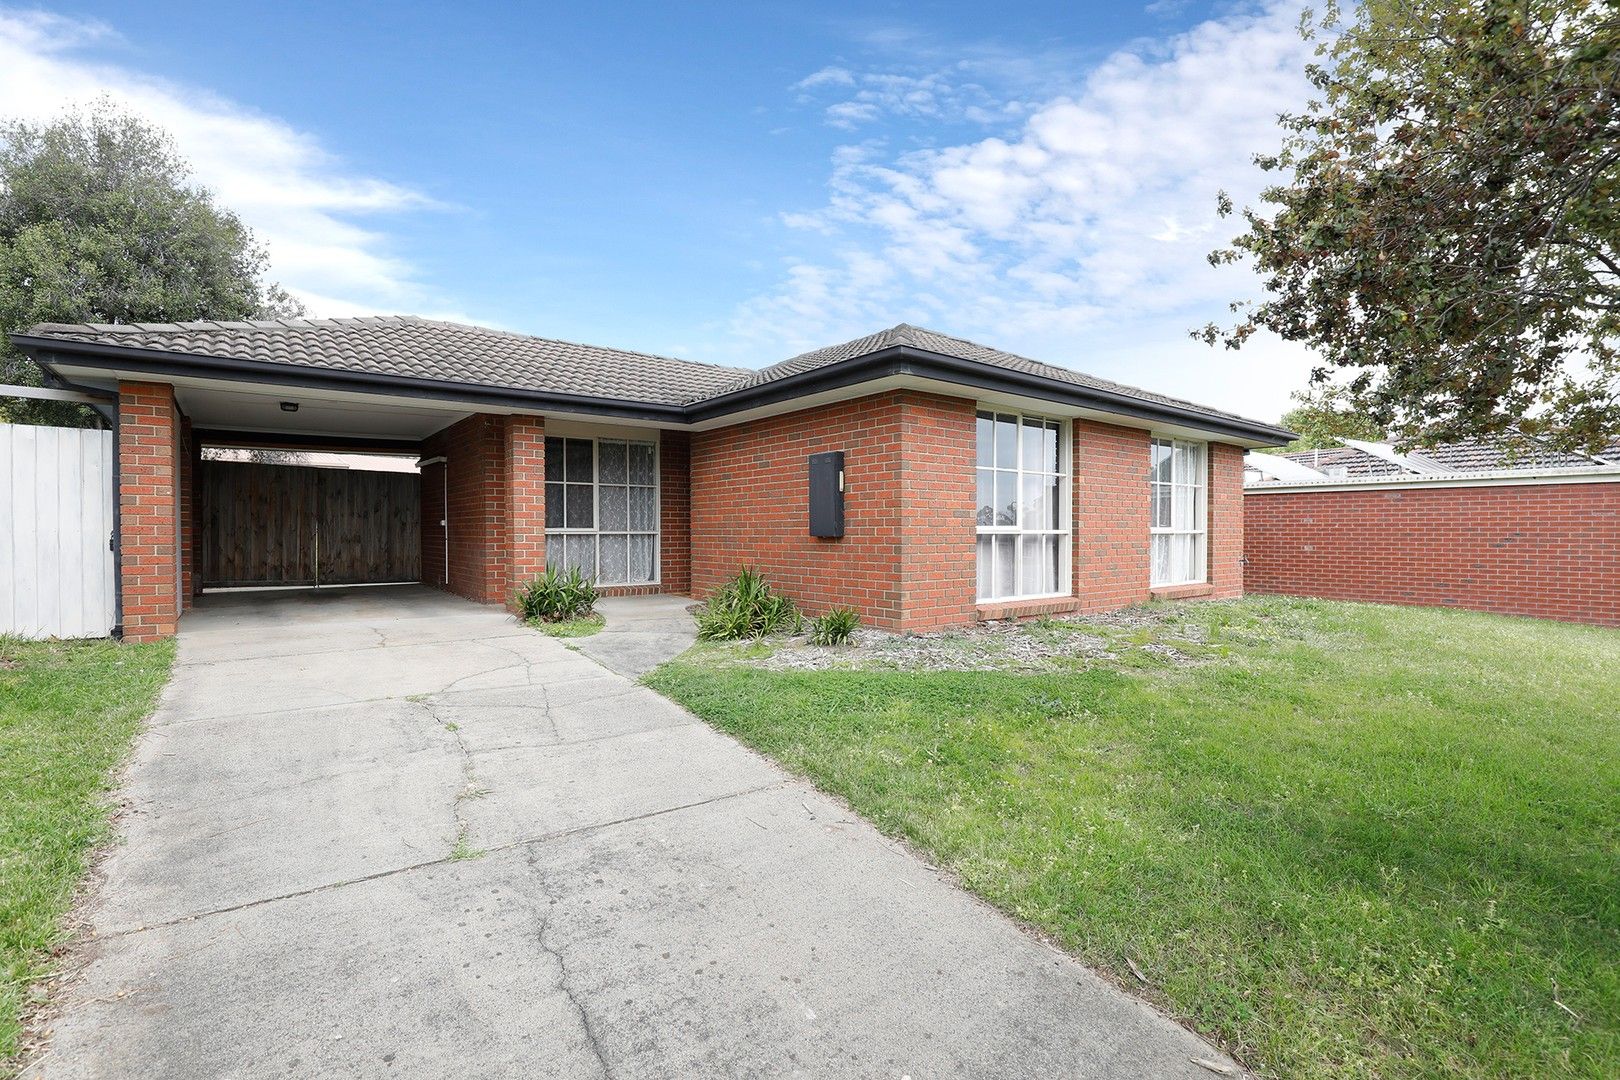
1202,529
1065,530
1593,474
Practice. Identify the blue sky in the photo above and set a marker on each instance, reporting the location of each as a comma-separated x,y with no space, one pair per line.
730,183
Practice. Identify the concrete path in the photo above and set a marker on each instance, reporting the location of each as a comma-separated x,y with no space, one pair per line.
639,633
385,832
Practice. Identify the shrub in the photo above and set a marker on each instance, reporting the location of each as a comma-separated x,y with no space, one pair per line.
835,627
746,607
556,596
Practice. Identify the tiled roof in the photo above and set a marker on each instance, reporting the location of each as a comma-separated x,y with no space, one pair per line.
411,347
403,345
1470,456
1481,456
1355,462
917,337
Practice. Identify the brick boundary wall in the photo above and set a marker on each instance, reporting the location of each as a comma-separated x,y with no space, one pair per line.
149,470
1550,550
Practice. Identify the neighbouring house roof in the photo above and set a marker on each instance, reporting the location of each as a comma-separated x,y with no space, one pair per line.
1380,461
1479,455
454,355
1351,461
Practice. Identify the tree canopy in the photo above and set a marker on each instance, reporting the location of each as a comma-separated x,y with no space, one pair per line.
100,222
1445,233
1324,419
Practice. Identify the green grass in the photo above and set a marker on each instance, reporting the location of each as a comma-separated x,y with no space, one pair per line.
584,626
68,712
1344,840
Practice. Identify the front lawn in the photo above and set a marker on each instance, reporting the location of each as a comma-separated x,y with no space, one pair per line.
68,711
1343,840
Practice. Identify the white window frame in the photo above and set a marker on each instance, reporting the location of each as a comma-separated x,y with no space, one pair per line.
596,505
1064,530
1178,489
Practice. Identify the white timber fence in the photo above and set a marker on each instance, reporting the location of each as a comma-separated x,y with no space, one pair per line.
56,527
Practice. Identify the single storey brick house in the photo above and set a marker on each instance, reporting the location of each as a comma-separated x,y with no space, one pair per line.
973,483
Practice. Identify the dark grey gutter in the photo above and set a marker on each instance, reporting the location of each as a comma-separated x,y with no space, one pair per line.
885,363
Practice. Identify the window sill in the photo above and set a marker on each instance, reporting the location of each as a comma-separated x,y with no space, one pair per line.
1182,592
994,610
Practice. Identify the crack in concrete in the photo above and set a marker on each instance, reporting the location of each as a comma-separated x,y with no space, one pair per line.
564,983
525,842
469,777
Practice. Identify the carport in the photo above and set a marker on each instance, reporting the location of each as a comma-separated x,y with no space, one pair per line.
502,478
189,522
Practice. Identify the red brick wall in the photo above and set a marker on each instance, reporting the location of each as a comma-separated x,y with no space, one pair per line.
149,461
938,493
675,512
907,560
1550,550
1110,515
1112,551
497,508
750,506
476,449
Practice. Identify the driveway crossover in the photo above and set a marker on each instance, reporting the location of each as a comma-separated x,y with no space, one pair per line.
386,832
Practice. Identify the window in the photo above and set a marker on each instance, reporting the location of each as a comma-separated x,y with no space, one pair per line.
1023,513
1178,512
602,508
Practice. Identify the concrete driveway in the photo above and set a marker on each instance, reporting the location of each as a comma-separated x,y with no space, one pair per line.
386,832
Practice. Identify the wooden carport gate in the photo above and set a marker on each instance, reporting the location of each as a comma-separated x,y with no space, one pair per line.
297,525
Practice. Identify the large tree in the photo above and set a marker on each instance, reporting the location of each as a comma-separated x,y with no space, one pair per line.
1445,232
1323,419
101,222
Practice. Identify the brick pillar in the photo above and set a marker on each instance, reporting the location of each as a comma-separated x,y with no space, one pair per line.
1226,519
525,475
675,512
1111,515
149,459
938,564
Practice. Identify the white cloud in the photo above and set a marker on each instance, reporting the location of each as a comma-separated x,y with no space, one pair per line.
867,97
300,201
1078,237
